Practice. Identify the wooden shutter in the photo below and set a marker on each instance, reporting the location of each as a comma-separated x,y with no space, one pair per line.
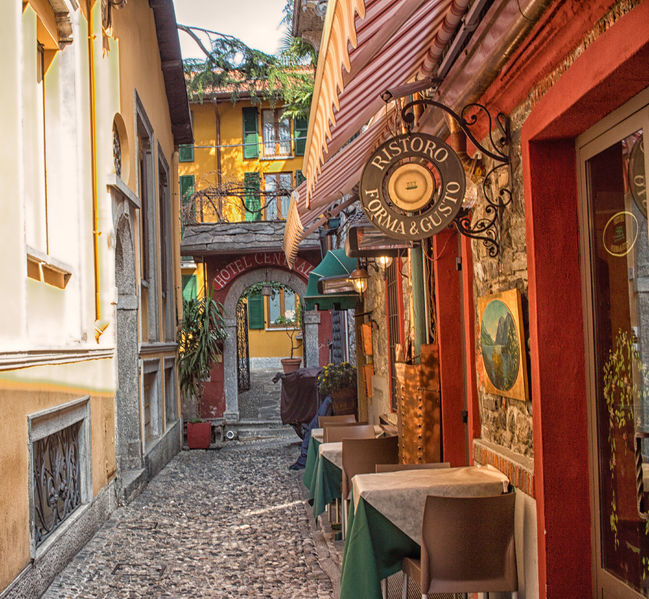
186,188
186,153
250,133
300,130
256,311
252,182
189,287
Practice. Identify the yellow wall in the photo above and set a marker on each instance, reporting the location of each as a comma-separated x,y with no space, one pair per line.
27,391
233,164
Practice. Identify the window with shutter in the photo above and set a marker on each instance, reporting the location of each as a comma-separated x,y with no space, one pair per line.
186,188
299,178
186,153
300,126
256,311
250,133
189,287
252,183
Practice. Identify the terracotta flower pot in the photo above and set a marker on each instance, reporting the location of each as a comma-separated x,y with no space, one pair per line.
199,435
290,364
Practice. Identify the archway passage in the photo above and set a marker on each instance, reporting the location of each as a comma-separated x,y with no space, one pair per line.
221,396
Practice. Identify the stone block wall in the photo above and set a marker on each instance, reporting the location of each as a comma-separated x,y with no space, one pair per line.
505,422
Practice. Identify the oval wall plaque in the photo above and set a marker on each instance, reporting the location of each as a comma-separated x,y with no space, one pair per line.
412,186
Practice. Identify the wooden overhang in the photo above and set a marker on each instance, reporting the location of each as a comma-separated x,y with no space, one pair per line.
172,70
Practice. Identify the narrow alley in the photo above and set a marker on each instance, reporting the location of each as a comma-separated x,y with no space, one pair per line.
225,523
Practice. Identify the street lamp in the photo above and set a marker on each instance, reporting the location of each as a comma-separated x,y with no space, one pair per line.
359,279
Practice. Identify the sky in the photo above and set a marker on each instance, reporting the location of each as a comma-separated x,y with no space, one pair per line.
256,22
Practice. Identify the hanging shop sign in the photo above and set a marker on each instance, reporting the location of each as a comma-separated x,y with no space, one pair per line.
413,186
366,241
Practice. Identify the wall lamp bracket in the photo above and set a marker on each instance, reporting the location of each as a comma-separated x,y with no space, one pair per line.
498,194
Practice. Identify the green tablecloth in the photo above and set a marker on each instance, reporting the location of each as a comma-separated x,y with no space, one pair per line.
327,481
310,467
374,548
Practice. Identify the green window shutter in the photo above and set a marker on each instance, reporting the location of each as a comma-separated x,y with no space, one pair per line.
250,133
299,178
186,188
256,311
252,183
189,287
186,153
300,130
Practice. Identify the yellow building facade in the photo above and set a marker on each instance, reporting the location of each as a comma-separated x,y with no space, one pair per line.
249,150
89,168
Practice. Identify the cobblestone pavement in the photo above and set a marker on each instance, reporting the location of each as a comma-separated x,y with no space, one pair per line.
212,524
261,402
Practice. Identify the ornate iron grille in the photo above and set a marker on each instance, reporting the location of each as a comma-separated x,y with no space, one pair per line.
117,152
243,358
393,279
57,480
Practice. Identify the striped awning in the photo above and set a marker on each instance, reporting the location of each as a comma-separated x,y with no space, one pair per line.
368,46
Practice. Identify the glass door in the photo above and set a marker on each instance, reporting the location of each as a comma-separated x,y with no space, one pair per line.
616,260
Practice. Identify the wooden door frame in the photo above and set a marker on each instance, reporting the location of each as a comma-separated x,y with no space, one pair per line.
619,124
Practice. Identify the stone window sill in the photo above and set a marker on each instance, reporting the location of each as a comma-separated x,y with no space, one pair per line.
45,268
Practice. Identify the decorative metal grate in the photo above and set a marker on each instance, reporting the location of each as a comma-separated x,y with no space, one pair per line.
117,152
57,480
394,337
243,358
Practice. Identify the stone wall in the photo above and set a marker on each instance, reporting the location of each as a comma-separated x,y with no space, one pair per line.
506,422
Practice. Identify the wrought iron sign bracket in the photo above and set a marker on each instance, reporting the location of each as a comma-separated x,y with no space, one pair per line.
497,195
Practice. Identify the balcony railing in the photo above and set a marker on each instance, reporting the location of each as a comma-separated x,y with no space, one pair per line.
234,202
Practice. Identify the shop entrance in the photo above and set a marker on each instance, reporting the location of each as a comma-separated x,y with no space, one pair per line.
615,252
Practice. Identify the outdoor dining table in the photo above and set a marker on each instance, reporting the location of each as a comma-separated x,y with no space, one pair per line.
313,456
327,478
385,516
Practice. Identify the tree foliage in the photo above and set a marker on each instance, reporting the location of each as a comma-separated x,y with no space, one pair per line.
229,63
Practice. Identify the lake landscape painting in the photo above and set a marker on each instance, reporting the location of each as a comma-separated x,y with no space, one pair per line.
501,343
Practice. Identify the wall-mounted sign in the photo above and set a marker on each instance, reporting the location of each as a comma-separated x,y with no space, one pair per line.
231,271
412,186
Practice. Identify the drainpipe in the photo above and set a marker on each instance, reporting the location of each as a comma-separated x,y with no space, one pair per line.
215,101
100,326
418,304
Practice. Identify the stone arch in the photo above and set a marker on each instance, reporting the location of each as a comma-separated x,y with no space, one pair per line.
235,289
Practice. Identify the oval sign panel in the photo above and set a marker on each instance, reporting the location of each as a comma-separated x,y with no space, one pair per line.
413,186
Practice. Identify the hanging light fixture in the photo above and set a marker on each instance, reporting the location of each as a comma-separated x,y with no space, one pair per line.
359,278
266,287
384,261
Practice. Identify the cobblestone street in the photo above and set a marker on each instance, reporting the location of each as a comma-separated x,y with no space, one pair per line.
212,524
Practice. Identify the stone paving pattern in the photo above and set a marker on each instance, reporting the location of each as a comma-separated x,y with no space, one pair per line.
261,402
212,524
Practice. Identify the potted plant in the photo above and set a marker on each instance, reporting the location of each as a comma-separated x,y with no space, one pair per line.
200,344
293,328
339,381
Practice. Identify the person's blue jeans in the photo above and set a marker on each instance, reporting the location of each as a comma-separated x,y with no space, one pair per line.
325,409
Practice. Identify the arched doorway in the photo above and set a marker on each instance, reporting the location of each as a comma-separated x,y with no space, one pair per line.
230,353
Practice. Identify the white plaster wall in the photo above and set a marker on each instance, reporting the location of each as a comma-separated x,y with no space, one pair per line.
13,265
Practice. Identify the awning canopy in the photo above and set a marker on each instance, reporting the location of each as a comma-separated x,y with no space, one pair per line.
335,263
393,42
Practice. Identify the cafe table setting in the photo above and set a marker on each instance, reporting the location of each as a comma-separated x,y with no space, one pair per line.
385,516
